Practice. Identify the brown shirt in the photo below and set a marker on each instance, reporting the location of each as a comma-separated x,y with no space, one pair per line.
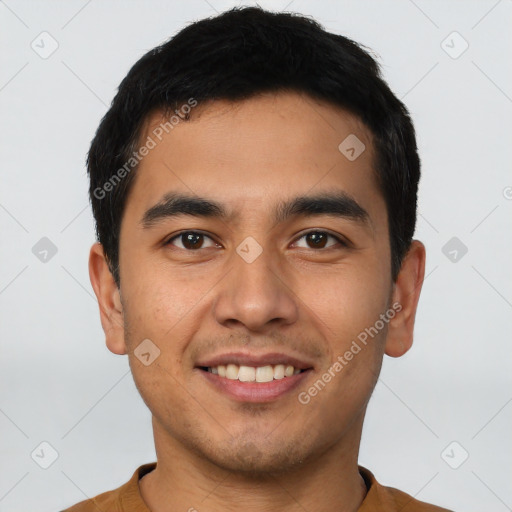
127,498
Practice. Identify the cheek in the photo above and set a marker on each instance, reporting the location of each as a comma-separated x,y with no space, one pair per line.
347,301
159,309
161,390
164,308
158,300
356,346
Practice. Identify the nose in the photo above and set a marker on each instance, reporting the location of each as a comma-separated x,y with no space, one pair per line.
256,295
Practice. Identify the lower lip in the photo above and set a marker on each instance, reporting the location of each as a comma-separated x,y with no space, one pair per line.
255,391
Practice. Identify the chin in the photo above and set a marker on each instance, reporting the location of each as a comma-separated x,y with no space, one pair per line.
257,459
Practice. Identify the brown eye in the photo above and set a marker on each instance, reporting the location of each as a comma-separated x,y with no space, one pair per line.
319,240
190,240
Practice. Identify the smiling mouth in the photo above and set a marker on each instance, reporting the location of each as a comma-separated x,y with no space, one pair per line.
267,373
254,379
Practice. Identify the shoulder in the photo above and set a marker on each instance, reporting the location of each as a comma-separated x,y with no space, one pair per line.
389,499
106,501
124,498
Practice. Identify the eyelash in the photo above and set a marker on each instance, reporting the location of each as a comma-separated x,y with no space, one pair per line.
338,239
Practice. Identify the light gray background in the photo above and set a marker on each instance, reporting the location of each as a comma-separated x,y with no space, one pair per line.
59,383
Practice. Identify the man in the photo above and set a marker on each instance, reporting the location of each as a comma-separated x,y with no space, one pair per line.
254,187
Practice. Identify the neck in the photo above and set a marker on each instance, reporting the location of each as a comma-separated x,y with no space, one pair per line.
184,480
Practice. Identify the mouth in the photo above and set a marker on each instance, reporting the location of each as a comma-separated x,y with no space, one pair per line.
254,378
266,373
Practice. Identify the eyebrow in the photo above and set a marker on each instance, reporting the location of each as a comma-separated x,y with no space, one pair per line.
337,204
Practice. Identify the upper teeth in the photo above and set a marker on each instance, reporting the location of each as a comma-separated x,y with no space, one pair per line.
252,374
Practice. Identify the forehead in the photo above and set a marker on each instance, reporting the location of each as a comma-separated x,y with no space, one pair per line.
247,153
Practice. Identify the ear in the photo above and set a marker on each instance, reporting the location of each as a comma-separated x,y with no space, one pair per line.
406,293
109,300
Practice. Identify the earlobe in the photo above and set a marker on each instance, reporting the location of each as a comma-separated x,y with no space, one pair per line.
109,300
406,294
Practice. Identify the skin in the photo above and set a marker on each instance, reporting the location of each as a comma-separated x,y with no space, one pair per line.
215,453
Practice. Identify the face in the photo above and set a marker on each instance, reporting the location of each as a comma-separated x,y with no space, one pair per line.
271,277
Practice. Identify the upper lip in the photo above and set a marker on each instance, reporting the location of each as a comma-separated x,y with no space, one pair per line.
248,359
